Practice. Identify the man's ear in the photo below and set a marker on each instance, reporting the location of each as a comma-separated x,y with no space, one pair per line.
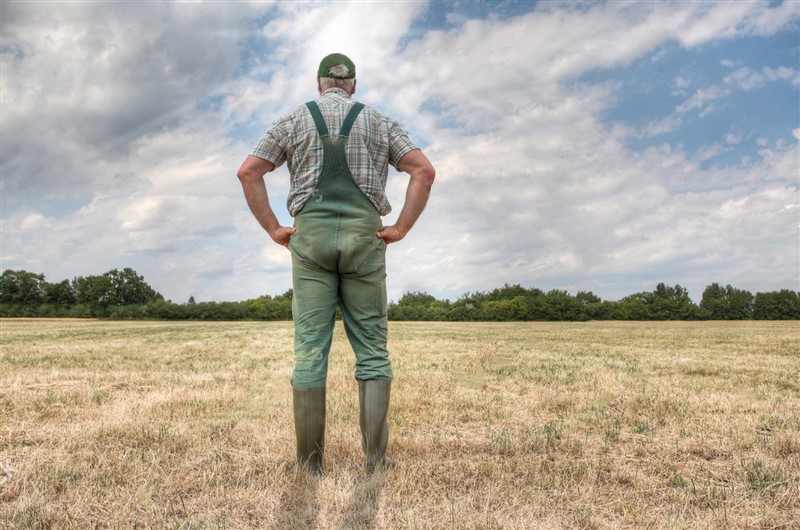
355,81
319,86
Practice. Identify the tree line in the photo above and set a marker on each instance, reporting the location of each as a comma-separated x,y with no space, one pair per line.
517,303
121,295
126,295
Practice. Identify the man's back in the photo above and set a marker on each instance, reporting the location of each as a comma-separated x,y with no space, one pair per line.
375,142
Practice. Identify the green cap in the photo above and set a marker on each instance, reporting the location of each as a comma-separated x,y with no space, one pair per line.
332,60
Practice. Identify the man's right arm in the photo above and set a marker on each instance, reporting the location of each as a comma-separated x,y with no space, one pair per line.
251,175
416,164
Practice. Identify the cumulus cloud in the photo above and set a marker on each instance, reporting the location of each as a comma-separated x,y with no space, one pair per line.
88,80
133,118
546,195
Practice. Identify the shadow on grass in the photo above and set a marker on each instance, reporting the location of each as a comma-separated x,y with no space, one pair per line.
364,501
299,503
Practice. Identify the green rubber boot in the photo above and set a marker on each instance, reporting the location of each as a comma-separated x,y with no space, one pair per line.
373,397
309,427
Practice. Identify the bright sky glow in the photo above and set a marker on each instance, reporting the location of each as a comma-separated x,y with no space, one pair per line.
602,146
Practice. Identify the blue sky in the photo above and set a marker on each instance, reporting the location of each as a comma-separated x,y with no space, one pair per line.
601,146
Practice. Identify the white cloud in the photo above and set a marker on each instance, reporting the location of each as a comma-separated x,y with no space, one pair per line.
666,125
143,112
710,151
745,78
770,21
681,84
715,20
733,139
703,98
782,73
91,80
36,221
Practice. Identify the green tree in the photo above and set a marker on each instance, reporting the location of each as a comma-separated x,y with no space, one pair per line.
439,310
95,292
637,306
726,303
673,303
269,308
740,303
113,289
777,305
558,305
411,306
504,310
507,292
587,297
22,288
129,288
593,307
601,310
59,294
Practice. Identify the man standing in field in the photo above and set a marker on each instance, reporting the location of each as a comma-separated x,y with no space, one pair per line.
338,152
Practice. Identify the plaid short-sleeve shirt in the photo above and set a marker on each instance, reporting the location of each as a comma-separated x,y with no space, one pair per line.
375,142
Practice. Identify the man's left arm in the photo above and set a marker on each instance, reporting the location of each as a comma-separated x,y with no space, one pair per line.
416,164
251,175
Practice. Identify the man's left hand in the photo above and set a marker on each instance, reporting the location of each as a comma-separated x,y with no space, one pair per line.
390,234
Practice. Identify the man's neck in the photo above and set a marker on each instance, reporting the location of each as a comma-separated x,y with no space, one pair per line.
335,90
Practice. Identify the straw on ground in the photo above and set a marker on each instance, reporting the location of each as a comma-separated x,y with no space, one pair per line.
527,425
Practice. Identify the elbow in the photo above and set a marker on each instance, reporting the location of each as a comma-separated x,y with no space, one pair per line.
253,169
423,175
247,176
428,176
244,175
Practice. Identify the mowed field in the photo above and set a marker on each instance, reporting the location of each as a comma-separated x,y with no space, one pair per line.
493,425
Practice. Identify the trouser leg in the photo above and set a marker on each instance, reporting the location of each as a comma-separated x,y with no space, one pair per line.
363,305
313,310
314,300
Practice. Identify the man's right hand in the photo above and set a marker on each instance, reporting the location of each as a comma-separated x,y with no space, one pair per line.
282,235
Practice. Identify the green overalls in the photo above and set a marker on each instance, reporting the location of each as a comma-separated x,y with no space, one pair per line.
337,259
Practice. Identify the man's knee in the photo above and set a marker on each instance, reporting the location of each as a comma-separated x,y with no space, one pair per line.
374,366
310,368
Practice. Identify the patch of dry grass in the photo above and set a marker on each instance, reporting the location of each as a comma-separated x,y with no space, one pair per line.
590,425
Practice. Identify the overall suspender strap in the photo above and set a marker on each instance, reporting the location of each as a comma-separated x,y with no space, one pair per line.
320,122
350,119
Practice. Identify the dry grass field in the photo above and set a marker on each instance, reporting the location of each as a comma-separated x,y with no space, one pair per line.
526,425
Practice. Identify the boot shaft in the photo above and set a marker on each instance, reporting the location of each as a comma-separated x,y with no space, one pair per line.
309,426
373,397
